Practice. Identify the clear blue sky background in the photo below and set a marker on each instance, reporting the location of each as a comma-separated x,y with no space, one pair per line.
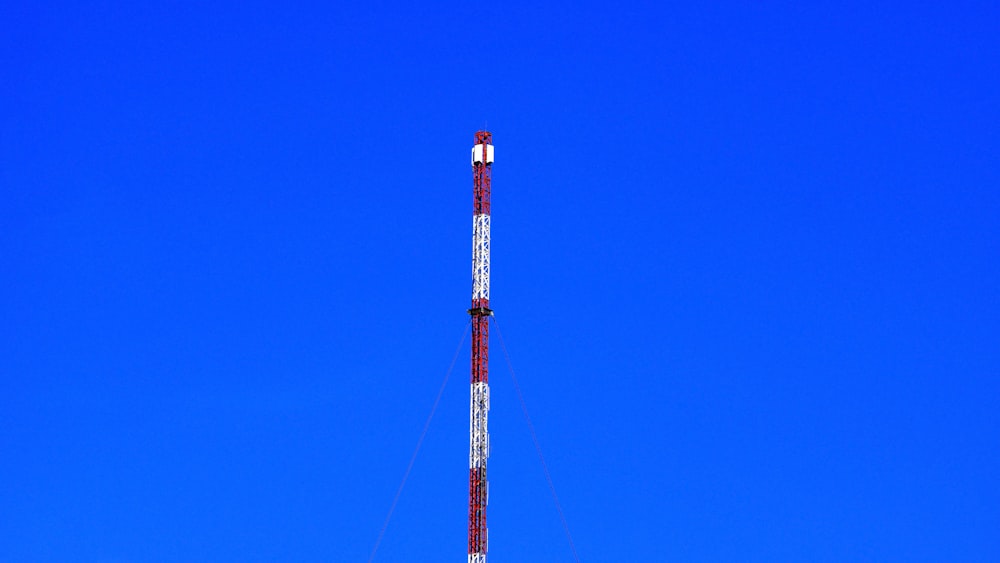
745,257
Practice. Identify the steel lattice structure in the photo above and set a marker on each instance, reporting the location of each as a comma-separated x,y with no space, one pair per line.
479,407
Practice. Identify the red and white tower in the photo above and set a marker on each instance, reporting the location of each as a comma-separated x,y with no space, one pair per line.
479,407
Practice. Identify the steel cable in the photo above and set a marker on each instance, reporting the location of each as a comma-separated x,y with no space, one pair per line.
534,438
420,442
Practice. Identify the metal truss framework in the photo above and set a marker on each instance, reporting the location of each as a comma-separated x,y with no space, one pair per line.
479,404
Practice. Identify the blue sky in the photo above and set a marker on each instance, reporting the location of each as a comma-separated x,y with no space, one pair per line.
745,258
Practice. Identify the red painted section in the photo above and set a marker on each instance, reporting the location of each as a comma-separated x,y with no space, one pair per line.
480,349
477,510
482,175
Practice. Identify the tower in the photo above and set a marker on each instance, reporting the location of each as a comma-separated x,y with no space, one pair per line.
479,407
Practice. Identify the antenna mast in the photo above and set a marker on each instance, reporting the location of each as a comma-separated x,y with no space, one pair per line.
479,407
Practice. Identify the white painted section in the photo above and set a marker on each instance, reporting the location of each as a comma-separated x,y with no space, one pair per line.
478,152
479,438
477,558
481,256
